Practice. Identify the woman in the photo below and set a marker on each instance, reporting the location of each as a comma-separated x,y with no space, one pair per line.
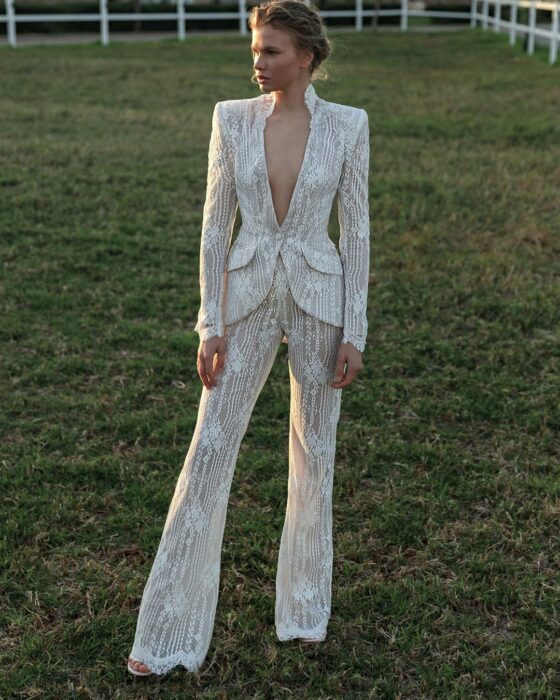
282,281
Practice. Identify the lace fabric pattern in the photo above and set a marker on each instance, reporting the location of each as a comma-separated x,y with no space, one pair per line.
178,607
326,283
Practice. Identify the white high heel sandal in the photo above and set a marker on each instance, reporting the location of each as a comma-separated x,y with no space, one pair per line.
134,671
311,639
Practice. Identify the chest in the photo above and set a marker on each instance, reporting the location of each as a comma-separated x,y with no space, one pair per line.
277,164
285,145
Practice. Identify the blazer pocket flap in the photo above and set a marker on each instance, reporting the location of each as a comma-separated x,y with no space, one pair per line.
240,255
323,260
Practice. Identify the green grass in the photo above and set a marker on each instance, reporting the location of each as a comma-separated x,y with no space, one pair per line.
447,496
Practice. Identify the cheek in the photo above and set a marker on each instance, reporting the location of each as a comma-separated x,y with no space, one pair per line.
285,64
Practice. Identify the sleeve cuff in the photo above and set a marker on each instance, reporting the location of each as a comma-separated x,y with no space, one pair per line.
208,332
358,343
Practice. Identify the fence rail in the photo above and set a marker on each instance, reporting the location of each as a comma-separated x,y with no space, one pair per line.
530,31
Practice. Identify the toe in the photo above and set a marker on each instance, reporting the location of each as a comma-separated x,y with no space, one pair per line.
138,666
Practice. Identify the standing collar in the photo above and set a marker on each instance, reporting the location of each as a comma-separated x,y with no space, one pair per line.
310,98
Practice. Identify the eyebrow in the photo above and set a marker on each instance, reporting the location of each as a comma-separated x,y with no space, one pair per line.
264,47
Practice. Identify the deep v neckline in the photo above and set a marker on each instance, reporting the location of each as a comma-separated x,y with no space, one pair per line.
294,191
309,99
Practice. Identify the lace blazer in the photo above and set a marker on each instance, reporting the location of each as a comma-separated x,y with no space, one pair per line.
234,279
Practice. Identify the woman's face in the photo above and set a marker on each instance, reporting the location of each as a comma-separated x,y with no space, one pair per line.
275,58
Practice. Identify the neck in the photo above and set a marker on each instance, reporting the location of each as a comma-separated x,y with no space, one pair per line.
292,99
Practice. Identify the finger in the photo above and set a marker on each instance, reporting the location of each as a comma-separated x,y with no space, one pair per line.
221,360
202,373
339,370
210,372
202,370
348,379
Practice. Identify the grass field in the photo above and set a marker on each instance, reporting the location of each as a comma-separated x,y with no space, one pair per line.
447,493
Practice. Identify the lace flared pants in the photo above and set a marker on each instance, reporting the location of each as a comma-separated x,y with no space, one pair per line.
178,606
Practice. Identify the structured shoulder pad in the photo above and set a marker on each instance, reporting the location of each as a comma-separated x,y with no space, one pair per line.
232,113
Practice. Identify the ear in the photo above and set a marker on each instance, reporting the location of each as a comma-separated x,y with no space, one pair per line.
306,59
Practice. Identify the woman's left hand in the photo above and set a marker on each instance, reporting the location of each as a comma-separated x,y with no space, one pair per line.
349,355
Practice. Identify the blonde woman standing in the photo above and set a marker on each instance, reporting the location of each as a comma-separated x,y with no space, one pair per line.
281,157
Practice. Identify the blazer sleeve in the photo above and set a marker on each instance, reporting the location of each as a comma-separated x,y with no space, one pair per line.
353,218
220,208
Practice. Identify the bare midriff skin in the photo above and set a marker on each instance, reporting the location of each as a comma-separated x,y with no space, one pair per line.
285,140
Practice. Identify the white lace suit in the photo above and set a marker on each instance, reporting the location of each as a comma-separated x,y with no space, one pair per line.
276,284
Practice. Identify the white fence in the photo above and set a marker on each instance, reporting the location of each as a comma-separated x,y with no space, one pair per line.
531,30
181,17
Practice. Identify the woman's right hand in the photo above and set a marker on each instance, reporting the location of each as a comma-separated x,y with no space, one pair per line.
210,359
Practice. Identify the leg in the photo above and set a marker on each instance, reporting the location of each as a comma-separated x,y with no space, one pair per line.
177,611
303,581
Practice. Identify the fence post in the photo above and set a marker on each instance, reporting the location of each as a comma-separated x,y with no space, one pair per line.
513,20
404,15
555,29
181,20
485,14
11,26
532,24
104,24
474,10
242,18
359,15
497,15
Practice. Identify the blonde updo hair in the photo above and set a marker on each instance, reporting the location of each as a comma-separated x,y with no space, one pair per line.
302,21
